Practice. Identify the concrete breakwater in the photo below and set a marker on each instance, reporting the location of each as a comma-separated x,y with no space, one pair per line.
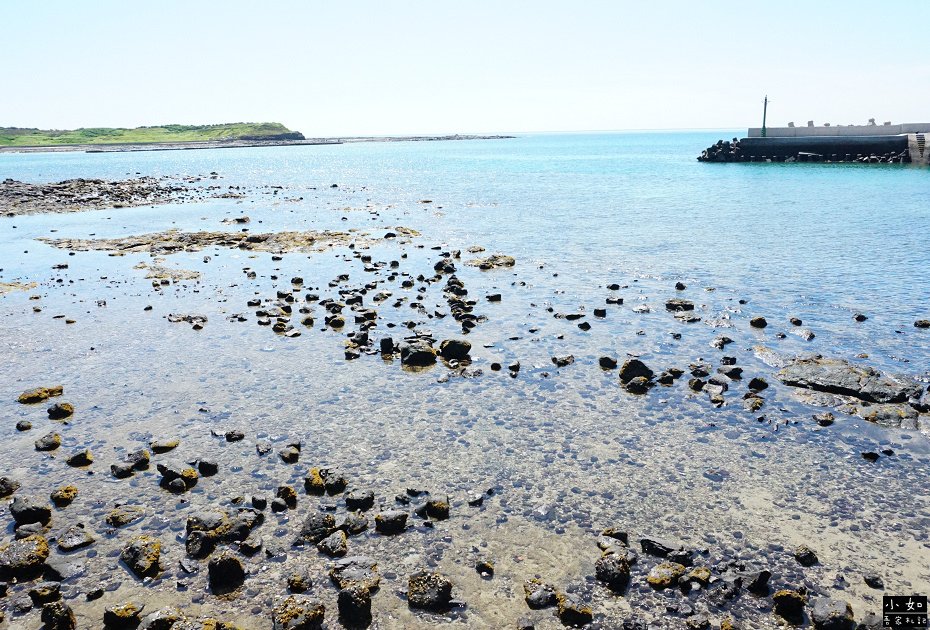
861,149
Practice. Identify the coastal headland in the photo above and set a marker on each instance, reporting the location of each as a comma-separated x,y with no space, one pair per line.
176,137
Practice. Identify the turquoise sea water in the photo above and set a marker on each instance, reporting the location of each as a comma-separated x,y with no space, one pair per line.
819,240
566,450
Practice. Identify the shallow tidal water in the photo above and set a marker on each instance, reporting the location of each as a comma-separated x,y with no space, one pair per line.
566,451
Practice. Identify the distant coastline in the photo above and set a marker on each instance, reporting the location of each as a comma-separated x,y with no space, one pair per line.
176,137
232,144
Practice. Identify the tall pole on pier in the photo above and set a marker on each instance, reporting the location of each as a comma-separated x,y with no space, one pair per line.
765,108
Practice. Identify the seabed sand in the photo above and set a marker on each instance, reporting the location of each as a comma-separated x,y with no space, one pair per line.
535,459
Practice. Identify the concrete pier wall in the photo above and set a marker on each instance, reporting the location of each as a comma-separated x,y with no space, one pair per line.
853,130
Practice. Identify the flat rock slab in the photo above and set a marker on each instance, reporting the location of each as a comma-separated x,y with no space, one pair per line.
176,241
835,376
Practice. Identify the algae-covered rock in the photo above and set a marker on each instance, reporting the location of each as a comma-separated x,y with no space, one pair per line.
64,495
122,616
539,594
572,611
142,555
39,394
23,558
665,574
297,613
124,515
430,591
789,604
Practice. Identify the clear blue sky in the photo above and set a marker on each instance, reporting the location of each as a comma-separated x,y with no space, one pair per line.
380,67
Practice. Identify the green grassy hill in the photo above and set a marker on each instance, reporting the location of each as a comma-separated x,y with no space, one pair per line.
19,137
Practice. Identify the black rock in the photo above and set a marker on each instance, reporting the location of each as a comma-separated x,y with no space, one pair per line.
634,368
758,583
334,545
58,616
8,486
874,580
317,526
354,604
638,385
360,570
360,500
538,594
805,556
613,570
45,592
391,522
207,467
28,510
417,354
48,442
454,349
225,573
429,591
678,305
831,614
607,363
60,411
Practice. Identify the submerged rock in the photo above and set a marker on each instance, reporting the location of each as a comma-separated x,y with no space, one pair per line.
430,591
835,376
124,515
297,613
58,616
28,510
23,558
665,574
789,605
355,570
8,486
142,555
634,368
572,611
40,394
831,614
75,537
122,616
417,354
454,349
492,262
538,594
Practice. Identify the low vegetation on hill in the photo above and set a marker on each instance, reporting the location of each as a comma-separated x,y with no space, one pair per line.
22,137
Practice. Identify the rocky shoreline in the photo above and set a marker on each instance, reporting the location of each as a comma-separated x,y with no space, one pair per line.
310,511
